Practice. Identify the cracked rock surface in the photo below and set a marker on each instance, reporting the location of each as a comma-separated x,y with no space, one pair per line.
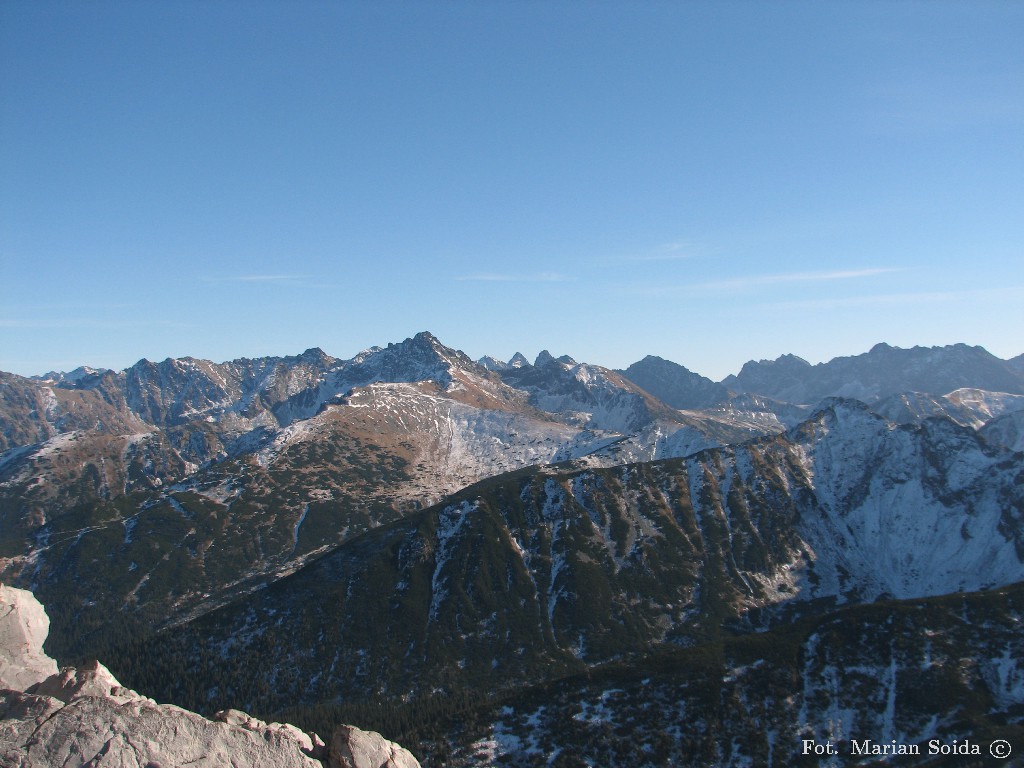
23,629
83,717
353,748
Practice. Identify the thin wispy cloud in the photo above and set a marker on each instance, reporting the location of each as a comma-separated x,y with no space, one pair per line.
30,308
269,278
256,279
668,252
922,297
757,281
27,323
753,282
89,322
505,277
18,324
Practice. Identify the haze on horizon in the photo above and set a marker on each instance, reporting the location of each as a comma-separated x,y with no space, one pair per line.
707,182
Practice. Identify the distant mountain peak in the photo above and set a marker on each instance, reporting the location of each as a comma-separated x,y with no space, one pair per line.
883,371
518,360
674,384
423,349
315,354
544,358
791,359
426,337
492,363
81,374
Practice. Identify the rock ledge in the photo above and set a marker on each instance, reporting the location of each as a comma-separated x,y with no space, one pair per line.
77,717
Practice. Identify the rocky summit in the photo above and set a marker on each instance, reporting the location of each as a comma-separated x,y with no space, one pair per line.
84,717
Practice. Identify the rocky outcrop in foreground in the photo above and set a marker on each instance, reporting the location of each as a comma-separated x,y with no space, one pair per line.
85,717
23,629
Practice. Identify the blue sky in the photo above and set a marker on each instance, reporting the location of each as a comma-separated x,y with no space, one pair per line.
707,182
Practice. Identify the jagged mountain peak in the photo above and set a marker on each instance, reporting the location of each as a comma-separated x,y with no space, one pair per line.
958,351
492,363
426,338
315,354
879,373
81,375
585,394
423,355
518,360
422,359
543,359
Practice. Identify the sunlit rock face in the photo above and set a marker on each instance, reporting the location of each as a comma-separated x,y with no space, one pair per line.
23,629
353,748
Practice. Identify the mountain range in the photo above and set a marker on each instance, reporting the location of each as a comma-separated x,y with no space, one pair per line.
326,538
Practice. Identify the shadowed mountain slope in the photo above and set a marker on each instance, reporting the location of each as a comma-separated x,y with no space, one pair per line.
531,576
673,384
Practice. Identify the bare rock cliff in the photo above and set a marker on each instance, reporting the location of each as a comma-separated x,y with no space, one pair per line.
84,717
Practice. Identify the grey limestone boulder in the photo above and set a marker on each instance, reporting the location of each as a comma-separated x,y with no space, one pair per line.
353,748
23,629
83,717
135,732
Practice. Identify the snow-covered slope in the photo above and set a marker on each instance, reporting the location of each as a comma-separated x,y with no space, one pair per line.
1006,430
969,407
454,442
587,395
907,512
985,405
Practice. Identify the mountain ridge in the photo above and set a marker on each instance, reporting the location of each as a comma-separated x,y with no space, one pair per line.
552,569
882,371
486,529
